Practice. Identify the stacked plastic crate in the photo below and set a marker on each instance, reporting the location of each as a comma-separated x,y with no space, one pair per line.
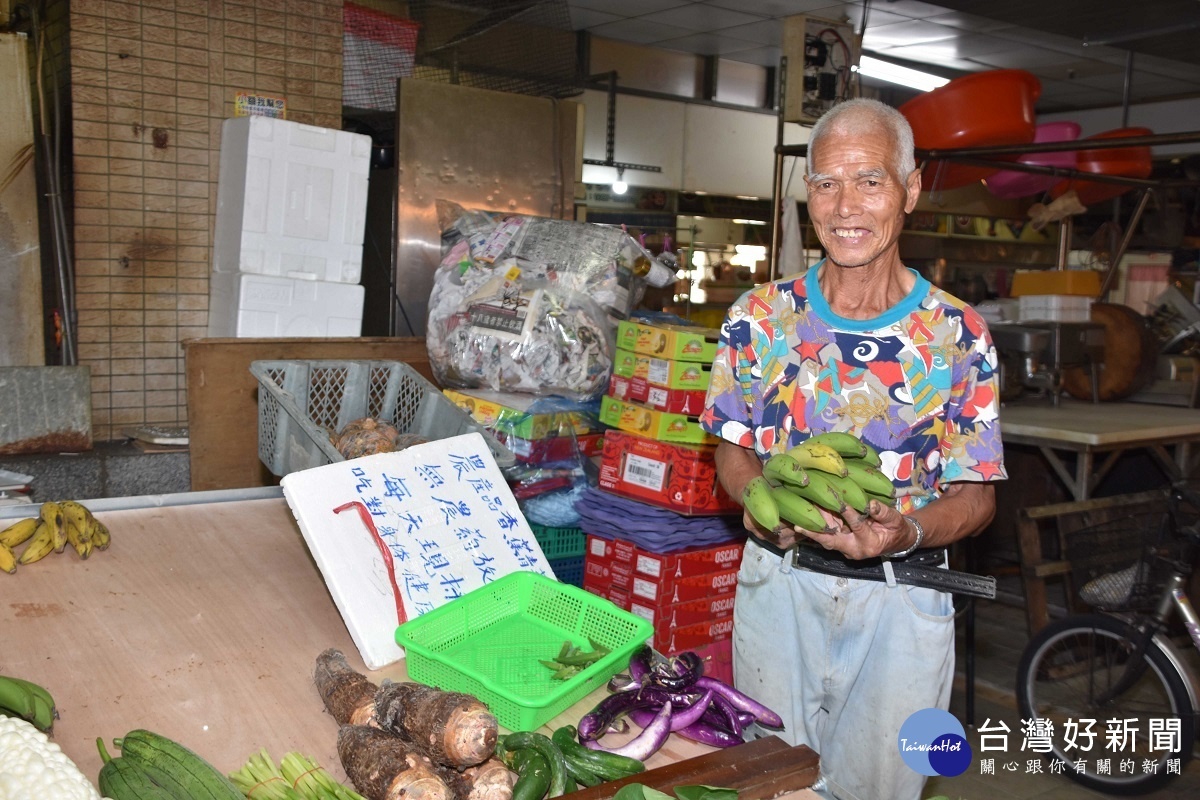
287,244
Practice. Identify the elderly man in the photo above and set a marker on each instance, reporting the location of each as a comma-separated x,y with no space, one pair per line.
858,343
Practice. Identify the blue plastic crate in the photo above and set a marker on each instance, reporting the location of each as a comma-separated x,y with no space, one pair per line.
568,570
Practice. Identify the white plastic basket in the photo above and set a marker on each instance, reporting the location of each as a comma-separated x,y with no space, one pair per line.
302,403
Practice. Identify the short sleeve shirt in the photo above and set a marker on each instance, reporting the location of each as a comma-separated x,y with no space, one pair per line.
919,382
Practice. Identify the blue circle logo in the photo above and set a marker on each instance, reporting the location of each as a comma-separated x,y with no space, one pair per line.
933,742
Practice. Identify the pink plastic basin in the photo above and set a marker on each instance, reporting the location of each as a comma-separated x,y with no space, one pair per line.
1009,184
987,108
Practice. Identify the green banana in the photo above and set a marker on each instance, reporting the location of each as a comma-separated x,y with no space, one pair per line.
850,491
871,456
758,500
813,455
821,492
19,532
846,444
890,502
798,511
782,468
28,701
870,479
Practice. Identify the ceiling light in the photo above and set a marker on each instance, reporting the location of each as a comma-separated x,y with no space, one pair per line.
619,185
894,73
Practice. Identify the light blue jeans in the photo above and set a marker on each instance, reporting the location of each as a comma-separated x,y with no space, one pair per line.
844,662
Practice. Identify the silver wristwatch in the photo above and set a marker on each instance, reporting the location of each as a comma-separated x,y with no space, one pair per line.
908,551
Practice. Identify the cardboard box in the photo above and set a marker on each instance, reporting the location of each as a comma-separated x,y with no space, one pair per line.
1081,282
618,597
659,425
679,342
676,477
718,659
662,372
686,562
673,401
508,413
692,637
691,612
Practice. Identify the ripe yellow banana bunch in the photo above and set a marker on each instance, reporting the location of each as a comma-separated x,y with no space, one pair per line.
56,525
828,470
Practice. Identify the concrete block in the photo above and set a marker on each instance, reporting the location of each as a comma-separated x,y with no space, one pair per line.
45,410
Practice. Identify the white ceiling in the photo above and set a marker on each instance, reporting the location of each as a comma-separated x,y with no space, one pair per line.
1060,41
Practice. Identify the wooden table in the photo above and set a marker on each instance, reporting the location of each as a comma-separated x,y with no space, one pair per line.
1110,429
201,622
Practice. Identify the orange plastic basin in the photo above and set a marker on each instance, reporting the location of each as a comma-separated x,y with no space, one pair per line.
987,108
1128,162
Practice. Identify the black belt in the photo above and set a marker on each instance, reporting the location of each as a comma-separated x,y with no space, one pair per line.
923,568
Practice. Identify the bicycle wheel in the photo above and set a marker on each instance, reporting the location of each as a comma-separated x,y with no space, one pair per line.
1064,674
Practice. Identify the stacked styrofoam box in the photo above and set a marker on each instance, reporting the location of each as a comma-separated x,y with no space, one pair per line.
287,247
1054,308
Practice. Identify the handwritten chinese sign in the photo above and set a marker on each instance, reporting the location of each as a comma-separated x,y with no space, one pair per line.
441,512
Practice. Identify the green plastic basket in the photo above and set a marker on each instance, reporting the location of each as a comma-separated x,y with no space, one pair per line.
489,641
560,542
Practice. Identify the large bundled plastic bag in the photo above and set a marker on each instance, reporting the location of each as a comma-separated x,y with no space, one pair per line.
529,304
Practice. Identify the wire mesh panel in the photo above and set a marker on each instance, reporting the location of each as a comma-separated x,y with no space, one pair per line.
519,46
1117,564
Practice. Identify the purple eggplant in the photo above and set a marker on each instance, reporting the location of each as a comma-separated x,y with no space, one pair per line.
696,732
741,701
646,743
721,713
597,721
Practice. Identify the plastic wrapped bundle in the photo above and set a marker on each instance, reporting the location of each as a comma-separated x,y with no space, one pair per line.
527,304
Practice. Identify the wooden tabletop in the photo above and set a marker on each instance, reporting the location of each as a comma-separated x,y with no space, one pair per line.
1096,424
200,622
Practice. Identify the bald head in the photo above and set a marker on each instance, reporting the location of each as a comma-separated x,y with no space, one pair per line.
861,117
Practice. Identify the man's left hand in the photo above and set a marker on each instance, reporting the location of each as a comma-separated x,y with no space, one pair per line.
881,530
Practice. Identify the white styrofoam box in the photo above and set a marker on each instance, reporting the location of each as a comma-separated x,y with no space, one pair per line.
1054,308
243,304
291,200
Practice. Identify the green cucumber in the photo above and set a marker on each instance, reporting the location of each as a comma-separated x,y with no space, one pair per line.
529,740
533,775
190,775
606,766
121,779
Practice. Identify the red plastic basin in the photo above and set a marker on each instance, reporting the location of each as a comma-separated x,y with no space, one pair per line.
1128,162
1010,185
987,108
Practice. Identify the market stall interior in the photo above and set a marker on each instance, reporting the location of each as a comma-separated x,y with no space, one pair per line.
354,356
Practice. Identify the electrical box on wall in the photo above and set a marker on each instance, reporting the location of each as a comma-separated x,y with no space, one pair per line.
820,53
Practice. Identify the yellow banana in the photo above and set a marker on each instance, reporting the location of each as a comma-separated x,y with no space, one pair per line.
77,521
100,535
782,468
813,455
52,515
850,491
820,492
757,499
798,511
19,532
870,479
8,560
40,546
846,444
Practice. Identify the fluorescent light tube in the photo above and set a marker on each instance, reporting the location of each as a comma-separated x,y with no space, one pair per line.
894,73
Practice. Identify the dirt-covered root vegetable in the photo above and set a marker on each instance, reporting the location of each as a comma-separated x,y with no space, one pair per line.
382,766
453,728
349,696
491,780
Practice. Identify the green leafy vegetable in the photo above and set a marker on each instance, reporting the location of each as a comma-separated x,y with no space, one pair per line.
640,791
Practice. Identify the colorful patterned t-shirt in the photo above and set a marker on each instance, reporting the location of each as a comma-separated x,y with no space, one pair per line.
919,382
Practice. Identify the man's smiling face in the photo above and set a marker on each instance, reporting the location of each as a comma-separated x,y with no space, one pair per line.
857,201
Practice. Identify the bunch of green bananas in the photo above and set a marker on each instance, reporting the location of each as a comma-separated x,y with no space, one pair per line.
27,701
56,525
829,470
